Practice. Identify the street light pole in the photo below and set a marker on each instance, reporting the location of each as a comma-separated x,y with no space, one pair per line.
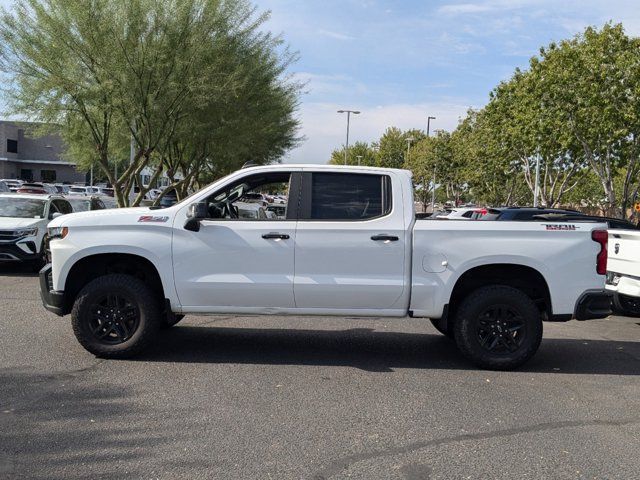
429,123
346,148
409,140
433,181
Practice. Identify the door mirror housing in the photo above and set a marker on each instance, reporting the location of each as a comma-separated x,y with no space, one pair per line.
53,215
197,211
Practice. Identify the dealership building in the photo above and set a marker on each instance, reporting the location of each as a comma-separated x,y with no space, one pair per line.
29,157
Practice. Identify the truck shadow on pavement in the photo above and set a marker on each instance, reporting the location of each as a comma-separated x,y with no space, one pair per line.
376,351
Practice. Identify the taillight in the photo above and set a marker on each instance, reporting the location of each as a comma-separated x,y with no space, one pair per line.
602,238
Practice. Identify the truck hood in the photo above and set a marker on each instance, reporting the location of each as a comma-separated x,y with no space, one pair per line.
114,217
10,223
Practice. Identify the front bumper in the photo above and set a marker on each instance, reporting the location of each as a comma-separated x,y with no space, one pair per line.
11,252
593,304
52,300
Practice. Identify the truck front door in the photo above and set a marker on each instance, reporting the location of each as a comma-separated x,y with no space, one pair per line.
242,256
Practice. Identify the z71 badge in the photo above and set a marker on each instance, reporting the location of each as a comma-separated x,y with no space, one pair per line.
152,218
560,227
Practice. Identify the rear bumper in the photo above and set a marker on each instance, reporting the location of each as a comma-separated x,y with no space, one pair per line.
623,284
52,300
593,304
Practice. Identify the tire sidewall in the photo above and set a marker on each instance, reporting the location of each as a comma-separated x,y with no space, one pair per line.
467,318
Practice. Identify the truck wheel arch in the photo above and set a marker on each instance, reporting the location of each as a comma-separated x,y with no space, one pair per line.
524,278
93,266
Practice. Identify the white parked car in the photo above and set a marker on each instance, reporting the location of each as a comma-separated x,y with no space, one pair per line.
350,245
23,225
12,183
466,213
251,211
152,194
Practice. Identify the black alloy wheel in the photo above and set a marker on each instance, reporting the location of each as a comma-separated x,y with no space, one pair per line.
114,318
500,330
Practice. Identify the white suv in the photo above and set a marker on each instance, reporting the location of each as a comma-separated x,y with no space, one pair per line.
23,225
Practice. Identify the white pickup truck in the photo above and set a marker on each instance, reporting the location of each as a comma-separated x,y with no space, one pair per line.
623,270
347,244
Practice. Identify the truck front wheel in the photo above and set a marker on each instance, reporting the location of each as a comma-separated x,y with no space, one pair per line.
115,316
498,327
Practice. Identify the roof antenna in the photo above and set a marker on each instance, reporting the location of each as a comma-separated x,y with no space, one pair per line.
250,163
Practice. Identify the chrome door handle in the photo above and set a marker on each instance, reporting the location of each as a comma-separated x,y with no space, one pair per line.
274,235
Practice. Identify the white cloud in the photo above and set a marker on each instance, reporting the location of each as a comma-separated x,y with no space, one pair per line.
335,35
333,84
325,129
462,8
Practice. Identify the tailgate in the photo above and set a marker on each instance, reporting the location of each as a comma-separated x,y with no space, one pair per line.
624,252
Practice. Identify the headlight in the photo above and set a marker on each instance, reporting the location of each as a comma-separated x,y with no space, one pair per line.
26,232
57,232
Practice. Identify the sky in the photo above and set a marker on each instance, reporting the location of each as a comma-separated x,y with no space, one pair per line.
399,61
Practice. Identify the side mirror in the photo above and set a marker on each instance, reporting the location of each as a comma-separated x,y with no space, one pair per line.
54,215
196,212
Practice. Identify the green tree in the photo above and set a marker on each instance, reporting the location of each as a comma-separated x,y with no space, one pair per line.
359,149
434,166
392,146
592,85
157,72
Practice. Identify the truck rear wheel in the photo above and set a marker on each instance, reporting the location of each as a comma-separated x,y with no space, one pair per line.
115,316
498,327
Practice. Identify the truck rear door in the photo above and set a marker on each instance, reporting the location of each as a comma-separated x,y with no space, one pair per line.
351,242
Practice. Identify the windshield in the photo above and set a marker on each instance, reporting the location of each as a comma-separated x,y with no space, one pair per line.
79,205
21,207
77,190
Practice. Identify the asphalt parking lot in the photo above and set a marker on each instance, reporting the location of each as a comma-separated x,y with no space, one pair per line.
287,398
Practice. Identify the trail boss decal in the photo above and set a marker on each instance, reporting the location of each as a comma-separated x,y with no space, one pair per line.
560,227
152,218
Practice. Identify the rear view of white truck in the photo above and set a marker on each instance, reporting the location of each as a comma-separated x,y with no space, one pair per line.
347,243
623,267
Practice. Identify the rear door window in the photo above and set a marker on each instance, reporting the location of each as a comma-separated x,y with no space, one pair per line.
347,196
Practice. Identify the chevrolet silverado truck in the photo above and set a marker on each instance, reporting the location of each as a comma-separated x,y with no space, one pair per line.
347,243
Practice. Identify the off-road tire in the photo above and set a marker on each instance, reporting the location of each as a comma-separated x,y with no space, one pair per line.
470,317
149,317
